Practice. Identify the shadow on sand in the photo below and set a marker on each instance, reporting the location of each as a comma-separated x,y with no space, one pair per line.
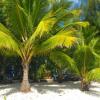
9,89
43,88
55,87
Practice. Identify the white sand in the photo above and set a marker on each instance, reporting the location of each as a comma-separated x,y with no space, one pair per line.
44,91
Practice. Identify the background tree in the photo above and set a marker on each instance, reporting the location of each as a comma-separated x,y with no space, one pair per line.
91,13
2,13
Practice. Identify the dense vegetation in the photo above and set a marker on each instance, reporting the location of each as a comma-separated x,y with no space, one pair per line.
46,37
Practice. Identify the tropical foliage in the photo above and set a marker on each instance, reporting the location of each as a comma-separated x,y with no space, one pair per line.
85,61
91,12
35,28
31,33
86,57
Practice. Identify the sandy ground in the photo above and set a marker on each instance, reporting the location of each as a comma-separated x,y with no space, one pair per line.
44,91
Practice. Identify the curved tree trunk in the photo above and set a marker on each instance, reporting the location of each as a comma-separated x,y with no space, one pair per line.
25,85
84,85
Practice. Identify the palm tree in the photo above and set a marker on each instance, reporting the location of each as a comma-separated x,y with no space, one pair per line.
87,57
34,29
86,61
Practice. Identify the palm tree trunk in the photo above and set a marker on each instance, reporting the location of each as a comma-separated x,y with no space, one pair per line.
60,76
25,85
84,85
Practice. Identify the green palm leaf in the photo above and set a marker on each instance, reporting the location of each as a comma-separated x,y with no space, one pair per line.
4,29
56,41
44,26
7,42
94,74
61,59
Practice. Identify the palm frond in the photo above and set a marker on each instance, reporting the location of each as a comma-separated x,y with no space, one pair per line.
7,31
56,41
95,47
76,12
84,58
44,26
68,32
94,74
4,29
93,42
7,42
81,24
63,60
52,18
